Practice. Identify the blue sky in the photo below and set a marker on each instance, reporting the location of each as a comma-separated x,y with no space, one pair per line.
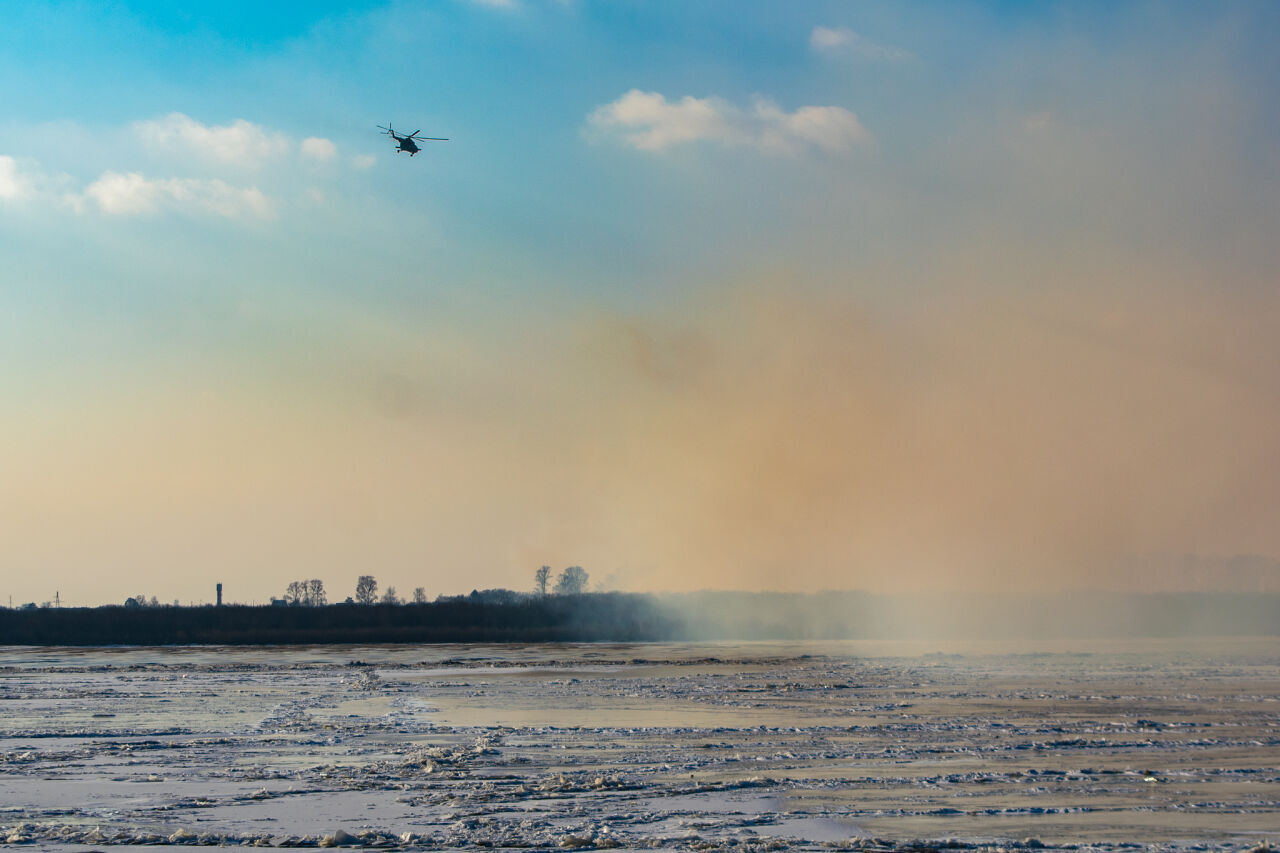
760,295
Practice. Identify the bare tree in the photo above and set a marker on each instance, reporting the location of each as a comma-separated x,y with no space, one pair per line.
366,589
540,578
572,581
419,595
390,597
307,593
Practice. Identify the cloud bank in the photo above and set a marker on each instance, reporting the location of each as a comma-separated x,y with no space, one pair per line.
229,149
844,41
647,121
240,143
13,184
132,194
317,148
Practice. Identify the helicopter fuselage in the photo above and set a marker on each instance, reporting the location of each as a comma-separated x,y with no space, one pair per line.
408,142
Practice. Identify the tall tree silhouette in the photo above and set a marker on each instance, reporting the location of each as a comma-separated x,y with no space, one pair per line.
366,589
572,581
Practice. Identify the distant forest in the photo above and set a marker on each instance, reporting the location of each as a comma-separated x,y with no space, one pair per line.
499,616
464,619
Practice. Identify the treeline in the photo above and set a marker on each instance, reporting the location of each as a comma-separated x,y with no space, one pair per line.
479,618
310,593
500,616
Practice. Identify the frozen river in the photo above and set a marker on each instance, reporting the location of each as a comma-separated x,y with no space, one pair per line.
747,746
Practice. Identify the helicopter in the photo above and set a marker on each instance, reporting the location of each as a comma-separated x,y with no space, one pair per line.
407,141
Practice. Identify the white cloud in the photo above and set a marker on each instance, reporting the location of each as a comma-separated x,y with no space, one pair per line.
25,180
240,142
364,161
13,184
828,128
118,192
133,194
826,38
318,148
842,40
649,122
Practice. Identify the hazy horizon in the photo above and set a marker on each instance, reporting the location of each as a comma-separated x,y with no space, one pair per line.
747,295
1241,576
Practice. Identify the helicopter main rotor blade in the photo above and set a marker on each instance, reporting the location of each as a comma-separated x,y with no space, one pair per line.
391,132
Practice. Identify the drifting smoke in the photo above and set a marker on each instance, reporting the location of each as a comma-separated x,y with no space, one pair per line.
772,436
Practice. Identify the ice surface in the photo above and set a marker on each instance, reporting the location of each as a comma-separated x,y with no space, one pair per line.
751,747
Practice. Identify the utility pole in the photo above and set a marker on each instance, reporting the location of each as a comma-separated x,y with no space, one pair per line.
57,599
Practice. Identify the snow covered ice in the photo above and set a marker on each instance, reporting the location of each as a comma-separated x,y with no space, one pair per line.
1164,745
